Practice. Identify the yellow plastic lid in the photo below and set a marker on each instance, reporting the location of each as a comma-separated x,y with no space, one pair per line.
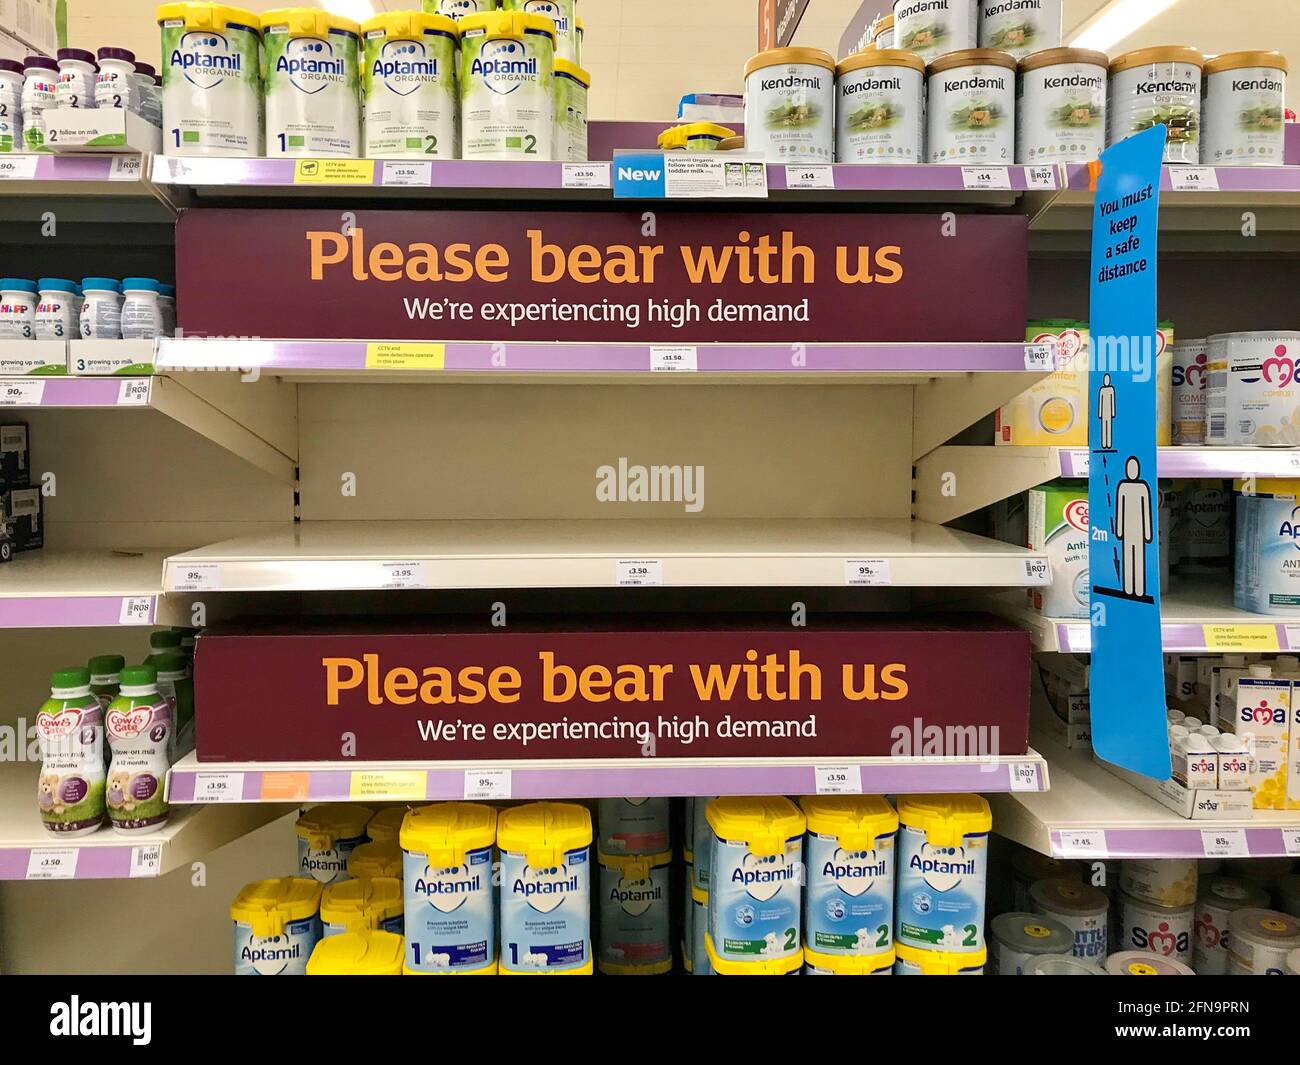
324,825
572,70
410,25
849,964
363,903
672,138
945,819
208,16
634,866
506,24
762,822
307,21
855,820
447,831
1271,486
941,963
267,906
766,967
376,859
487,970
386,825
543,832
658,968
358,954
700,895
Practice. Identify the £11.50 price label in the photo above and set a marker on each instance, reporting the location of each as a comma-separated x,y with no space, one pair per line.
674,360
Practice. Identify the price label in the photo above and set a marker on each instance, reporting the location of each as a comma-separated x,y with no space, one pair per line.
17,167
1225,843
1040,356
867,571
126,168
638,573
419,174
1040,177
405,574
1193,179
985,177
810,177
1080,463
487,784
1086,843
136,610
674,360
218,787
200,577
48,864
133,392
1024,776
1037,571
20,392
585,176
146,860
838,780
1291,841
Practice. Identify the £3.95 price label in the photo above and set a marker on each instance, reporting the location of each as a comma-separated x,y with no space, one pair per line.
810,177
52,863
218,787
1225,843
487,784
18,392
838,779
985,177
638,573
1193,179
405,574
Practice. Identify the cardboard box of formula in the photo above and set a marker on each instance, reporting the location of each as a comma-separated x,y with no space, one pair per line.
1058,527
1264,722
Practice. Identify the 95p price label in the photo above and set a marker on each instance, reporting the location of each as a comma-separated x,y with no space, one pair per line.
487,784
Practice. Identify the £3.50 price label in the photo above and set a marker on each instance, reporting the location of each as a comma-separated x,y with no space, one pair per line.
838,780
638,573
52,863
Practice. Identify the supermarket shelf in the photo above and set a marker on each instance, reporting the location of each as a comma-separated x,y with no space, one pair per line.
355,555
1091,813
192,781
29,852
1196,616
81,589
985,475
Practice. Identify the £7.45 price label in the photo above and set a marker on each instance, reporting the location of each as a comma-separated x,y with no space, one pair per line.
1080,843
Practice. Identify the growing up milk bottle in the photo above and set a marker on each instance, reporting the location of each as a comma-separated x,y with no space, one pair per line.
139,725
942,867
755,886
450,900
545,889
327,836
70,727
277,925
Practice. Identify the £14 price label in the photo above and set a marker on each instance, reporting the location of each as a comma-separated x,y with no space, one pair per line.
985,177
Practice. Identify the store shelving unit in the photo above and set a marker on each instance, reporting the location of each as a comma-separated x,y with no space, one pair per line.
54,588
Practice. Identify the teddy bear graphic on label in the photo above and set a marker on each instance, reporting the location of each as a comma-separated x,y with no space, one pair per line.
47,795
864,939
771,944
951,937
119,791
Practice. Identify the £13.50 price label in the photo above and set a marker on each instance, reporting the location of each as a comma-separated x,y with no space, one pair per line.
810,177
418,173
638,573
838,780
585,176
1193,179
487,784
985,177
17,392
867,571
218,787
52,864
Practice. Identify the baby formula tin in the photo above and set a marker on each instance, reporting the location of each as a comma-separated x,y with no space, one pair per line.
701,841
932,28
1293,963
562,13
1144,963
701,964
1061,106
1062,965
1158,86
386,825
634,906
942,867
694,137
1058,525
327,835
376,859
1190,371
688,921
1163,930
849,964
70,729
756,876
364,953
1244,109
790,105
879,107
1164,881
1053,412
1082,908
1016,938
1020,26
277,925
545,889
1252,397
911,961
211,80
572,85
849,858
883,31
507,86
1288,887
634,826
1220,897
1259,942
458,9
1028,867
1266,579
361,905
970,108
409,79
447,885
313,89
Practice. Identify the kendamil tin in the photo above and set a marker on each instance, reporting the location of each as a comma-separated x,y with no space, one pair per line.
970,108
313,89
1061,106
507,86
1244,109
790,105
942,872
879,107
409,78
1020,27
932,28
1158,86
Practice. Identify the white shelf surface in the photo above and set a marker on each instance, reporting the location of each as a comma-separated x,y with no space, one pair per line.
29,852
49,588
346,555
192,781
1091,813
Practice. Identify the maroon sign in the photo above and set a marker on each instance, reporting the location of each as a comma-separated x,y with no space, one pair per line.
596,276
777,21
905,688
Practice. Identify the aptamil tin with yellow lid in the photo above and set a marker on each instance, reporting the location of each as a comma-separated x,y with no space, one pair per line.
376,859
361,905
942,870
755,879
694,137
791,965
911,961
386,825
368,953
700,963
277,924
447,884
545,889
327,836
816,964
633,908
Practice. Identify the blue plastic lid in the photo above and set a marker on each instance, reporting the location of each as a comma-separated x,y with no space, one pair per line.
100,284
17,284
139,284
58,284
167,290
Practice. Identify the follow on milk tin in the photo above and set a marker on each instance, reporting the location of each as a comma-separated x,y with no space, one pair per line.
1018,937
970,108
1158,87
409,78
277,925
545,889
448,892
932,28
633,908
1020,27
942,872
313,89
1061,106
507,86
327,835
1267,567
1244,109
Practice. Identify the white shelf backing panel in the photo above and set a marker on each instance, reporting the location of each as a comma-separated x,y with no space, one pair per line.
49,588
219,783
347,555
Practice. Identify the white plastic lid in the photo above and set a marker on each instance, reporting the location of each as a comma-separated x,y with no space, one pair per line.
1178,732
1208,731
1191,723
1198,744
1261,670
1174,716
1227,743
